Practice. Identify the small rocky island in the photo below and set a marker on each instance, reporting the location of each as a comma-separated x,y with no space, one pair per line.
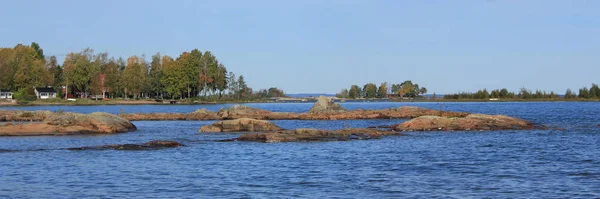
65,123
472,122
239,125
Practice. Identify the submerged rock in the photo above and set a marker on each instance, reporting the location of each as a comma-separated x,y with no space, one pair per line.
239,125
325,105
66,123
315,135
152,145
470,122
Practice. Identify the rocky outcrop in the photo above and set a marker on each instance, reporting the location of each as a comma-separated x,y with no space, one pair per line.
325,105
65,123
315,135
469,123
239,125
238,111
152,145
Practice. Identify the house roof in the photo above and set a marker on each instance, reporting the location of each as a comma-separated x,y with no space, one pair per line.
45,90
4,90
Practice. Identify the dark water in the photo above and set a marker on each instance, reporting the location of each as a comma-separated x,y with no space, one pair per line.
502,164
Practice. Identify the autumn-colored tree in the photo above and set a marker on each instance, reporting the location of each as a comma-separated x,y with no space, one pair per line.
79,70
382,90
7,71
209,70
29,68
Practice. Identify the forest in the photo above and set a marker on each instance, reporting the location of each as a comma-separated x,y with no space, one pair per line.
525,94
192,74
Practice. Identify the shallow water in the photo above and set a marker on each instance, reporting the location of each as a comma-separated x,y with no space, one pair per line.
506,164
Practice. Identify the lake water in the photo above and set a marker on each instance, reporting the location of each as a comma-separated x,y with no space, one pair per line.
564,162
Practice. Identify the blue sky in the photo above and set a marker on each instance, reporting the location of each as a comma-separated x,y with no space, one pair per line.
324,46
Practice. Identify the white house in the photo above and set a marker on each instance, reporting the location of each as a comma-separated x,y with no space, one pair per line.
45,93
5,94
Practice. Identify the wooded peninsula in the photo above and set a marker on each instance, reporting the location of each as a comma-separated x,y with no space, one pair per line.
86,74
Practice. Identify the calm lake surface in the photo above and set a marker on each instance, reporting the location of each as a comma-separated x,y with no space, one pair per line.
504,164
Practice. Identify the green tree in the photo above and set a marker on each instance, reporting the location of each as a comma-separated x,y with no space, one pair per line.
156,74
354,92
172,74
39,52
112,77
275,92
190,63
422,91
584,93
396,88
245,92
370,90
503,93
221,79
232,85
569,94
343,94
134,76
594,91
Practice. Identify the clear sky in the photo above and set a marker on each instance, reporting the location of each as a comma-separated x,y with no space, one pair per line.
323,46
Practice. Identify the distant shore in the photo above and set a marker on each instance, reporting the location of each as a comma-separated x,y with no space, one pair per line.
88,102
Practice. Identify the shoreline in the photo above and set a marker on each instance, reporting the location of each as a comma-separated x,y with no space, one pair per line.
147,102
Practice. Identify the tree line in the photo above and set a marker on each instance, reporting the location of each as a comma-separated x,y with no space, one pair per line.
191,74
584,93
371,90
